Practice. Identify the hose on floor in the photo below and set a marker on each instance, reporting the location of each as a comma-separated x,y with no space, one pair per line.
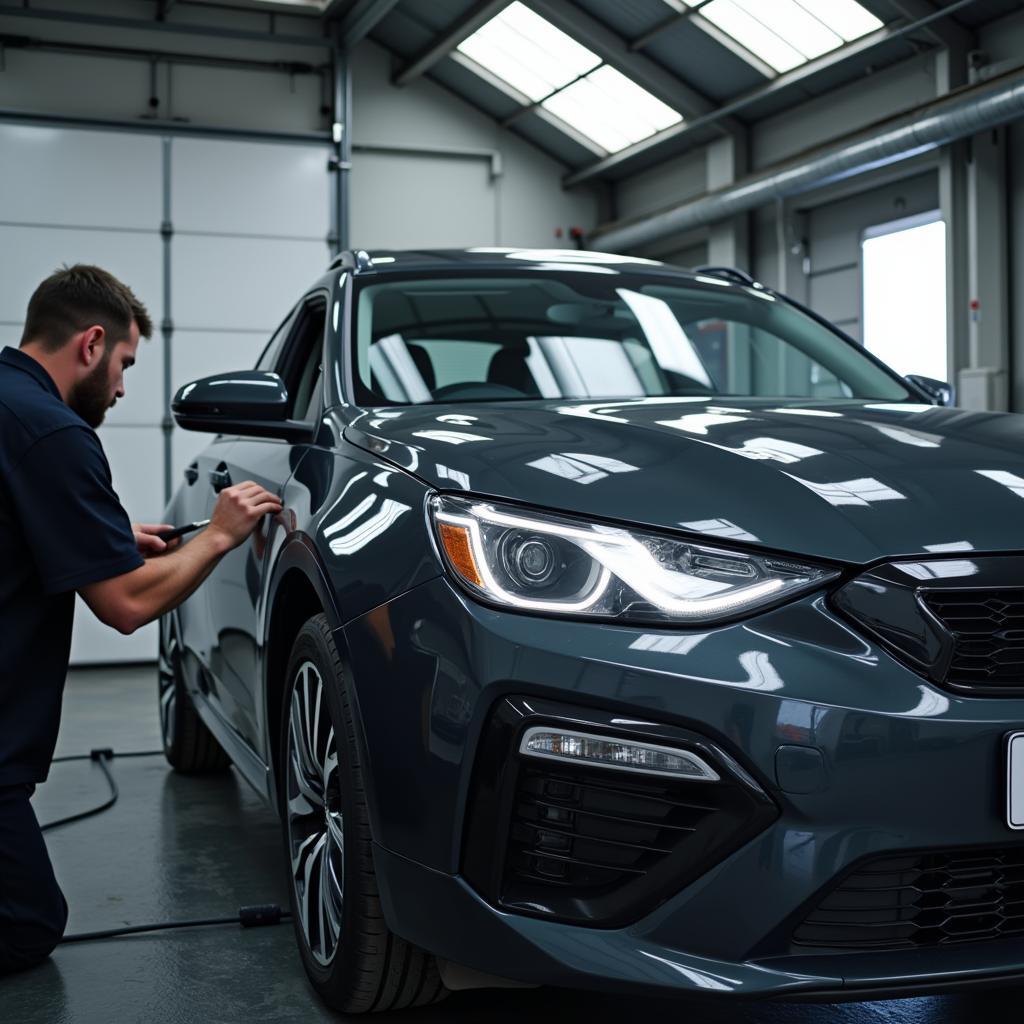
248,917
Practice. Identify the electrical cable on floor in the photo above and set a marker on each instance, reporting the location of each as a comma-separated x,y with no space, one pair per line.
248,917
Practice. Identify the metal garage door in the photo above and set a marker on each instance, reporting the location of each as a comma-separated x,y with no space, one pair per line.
248,232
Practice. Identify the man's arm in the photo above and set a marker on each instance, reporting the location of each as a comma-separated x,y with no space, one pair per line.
134,598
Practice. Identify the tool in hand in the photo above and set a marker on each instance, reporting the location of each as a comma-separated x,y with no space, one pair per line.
180,531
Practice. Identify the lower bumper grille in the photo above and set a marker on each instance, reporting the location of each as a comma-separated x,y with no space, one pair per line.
922,900
591,844
587,829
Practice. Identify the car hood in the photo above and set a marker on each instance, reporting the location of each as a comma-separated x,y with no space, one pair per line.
849,481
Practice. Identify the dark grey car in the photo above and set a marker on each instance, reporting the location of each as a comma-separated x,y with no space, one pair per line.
624,628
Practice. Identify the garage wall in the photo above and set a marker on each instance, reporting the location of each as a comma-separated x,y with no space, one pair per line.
419,198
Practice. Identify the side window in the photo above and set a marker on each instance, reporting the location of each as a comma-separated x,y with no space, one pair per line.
272,352
301,361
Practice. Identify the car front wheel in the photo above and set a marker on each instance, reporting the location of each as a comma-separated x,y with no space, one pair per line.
353,960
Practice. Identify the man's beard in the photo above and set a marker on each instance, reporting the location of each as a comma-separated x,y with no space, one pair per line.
90,397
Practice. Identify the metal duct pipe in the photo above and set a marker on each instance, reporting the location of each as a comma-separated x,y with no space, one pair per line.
975,109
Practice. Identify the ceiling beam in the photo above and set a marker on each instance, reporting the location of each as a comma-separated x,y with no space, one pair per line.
437,49
614,50
361,20
942,28
165,27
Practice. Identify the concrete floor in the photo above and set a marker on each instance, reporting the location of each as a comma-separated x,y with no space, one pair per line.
175,847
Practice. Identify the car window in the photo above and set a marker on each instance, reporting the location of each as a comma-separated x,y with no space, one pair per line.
272,351
601,336
300,362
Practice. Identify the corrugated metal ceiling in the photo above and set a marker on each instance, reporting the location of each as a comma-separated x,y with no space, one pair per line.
683,49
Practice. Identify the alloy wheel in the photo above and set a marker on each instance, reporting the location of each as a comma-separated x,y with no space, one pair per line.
316,834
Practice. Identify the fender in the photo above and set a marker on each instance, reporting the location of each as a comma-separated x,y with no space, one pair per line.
298,553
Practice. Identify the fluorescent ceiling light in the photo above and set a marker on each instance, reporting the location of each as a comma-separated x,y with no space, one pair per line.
787,33
547,66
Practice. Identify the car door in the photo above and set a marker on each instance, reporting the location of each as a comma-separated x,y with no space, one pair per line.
236,587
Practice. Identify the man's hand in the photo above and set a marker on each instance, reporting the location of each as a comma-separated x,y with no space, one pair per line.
239,510
149,543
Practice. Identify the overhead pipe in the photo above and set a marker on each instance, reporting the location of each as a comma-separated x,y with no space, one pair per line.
970,110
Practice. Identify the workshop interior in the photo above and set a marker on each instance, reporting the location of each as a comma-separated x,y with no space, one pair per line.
579,448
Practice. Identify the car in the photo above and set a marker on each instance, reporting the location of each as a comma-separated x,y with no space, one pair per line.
624,627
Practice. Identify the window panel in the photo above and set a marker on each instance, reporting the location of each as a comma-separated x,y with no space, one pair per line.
787,33
547,66
610,109
847,17
528,52
753,34
786,18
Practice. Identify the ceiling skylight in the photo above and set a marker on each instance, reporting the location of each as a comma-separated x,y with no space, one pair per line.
528,52
611,109
787,33
550,68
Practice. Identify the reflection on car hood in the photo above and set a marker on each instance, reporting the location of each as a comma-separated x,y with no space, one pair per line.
851,481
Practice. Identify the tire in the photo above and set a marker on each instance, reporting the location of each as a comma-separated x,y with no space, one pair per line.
190,748
355,963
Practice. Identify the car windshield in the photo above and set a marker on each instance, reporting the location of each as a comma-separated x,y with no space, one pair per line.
548,334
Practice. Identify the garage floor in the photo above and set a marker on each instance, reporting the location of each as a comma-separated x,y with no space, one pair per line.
176,847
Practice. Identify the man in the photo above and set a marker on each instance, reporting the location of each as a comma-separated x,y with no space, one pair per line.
62,531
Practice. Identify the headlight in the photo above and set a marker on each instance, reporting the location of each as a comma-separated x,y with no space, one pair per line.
562,565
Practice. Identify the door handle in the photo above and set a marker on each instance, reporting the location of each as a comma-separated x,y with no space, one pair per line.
192,473
220,478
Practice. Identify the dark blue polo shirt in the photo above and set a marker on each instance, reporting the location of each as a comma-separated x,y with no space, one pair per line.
61,527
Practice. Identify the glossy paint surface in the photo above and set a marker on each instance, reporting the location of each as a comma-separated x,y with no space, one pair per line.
845,481
904,767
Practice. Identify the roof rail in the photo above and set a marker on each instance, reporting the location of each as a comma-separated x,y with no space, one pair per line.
355,260
730,273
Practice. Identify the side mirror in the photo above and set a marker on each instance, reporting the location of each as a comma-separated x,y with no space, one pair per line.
938,391
246,402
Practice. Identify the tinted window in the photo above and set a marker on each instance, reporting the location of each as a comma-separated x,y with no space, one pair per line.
596,335
301,360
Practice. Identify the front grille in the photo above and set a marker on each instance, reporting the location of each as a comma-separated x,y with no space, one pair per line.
988,635
596,845
922,900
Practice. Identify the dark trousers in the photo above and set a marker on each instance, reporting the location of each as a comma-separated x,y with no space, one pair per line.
33,912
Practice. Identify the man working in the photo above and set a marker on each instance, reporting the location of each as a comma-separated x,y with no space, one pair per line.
62,531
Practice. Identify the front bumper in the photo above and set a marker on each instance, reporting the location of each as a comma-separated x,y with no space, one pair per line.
901,766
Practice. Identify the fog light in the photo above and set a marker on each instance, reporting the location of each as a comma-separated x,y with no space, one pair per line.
625,755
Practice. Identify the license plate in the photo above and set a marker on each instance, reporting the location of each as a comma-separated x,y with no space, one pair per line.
1015,787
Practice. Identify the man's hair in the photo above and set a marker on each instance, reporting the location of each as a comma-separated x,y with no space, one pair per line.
75,298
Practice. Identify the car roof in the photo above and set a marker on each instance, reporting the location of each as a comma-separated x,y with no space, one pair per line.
383,261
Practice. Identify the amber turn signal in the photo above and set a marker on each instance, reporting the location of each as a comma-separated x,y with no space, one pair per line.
460,552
